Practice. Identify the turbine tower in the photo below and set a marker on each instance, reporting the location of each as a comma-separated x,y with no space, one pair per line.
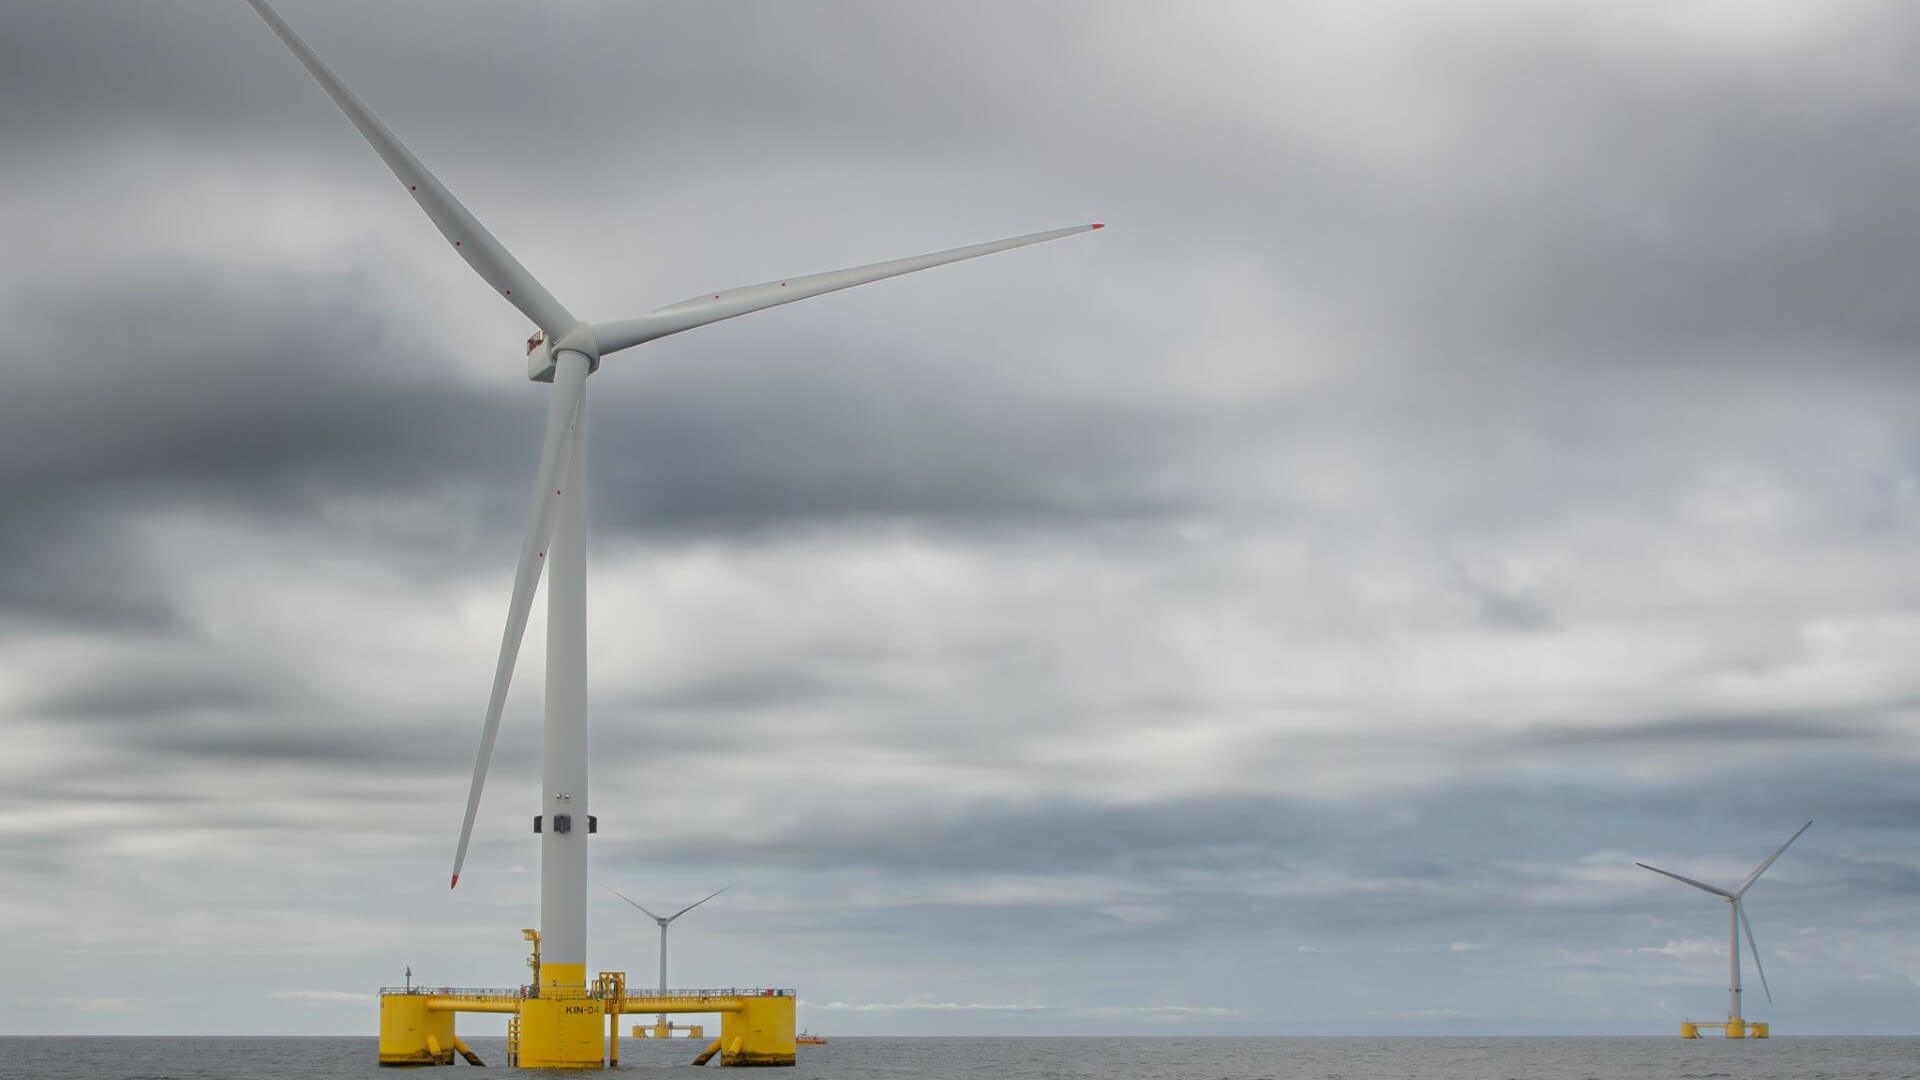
564,351
665,921
1737,918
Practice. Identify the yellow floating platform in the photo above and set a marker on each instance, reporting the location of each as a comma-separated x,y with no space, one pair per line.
562,1027
1734,1028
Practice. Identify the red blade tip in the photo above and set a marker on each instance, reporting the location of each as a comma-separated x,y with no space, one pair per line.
1098,225
456,882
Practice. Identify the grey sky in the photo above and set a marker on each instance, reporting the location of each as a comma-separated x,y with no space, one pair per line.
1478,456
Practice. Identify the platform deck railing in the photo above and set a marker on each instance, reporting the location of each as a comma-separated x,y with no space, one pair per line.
632,992
456,991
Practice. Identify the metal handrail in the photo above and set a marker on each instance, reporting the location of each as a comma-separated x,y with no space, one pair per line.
731,991
455,991
632,992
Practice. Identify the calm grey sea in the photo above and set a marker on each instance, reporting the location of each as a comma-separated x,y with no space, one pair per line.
1782,1058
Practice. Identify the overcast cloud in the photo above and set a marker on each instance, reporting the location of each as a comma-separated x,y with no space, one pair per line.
1478,456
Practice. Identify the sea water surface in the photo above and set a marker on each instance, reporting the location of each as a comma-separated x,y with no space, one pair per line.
1154,1058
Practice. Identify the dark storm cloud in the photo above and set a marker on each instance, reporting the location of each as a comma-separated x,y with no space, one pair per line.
1061,835
1719,209
972,446
732,692
813,440
277,414
1847,793
84,581
1826,726
1473,836
622,77
239,411
243,401
150,690
253,744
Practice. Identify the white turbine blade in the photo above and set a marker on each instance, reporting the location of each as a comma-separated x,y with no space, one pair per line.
556,457
1688,880
470,240
715,306
698,902
1762,868
629,900
1754,949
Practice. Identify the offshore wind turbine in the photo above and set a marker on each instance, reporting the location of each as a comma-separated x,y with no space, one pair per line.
664,921
1737,917
564,351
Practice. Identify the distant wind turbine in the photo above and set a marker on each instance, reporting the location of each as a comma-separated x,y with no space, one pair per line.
664,921
1738,918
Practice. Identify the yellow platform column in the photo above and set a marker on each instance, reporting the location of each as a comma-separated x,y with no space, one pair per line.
1689,1031
411,1034
563,1028
759,1033
1760,1029
1736,1028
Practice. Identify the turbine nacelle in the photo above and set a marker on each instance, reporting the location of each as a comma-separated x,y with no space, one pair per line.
542,355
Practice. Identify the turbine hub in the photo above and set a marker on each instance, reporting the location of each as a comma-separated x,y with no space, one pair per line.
542,354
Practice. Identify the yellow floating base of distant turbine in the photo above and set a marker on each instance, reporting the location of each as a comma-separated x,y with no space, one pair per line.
566,1024
669,1031
1736,1028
